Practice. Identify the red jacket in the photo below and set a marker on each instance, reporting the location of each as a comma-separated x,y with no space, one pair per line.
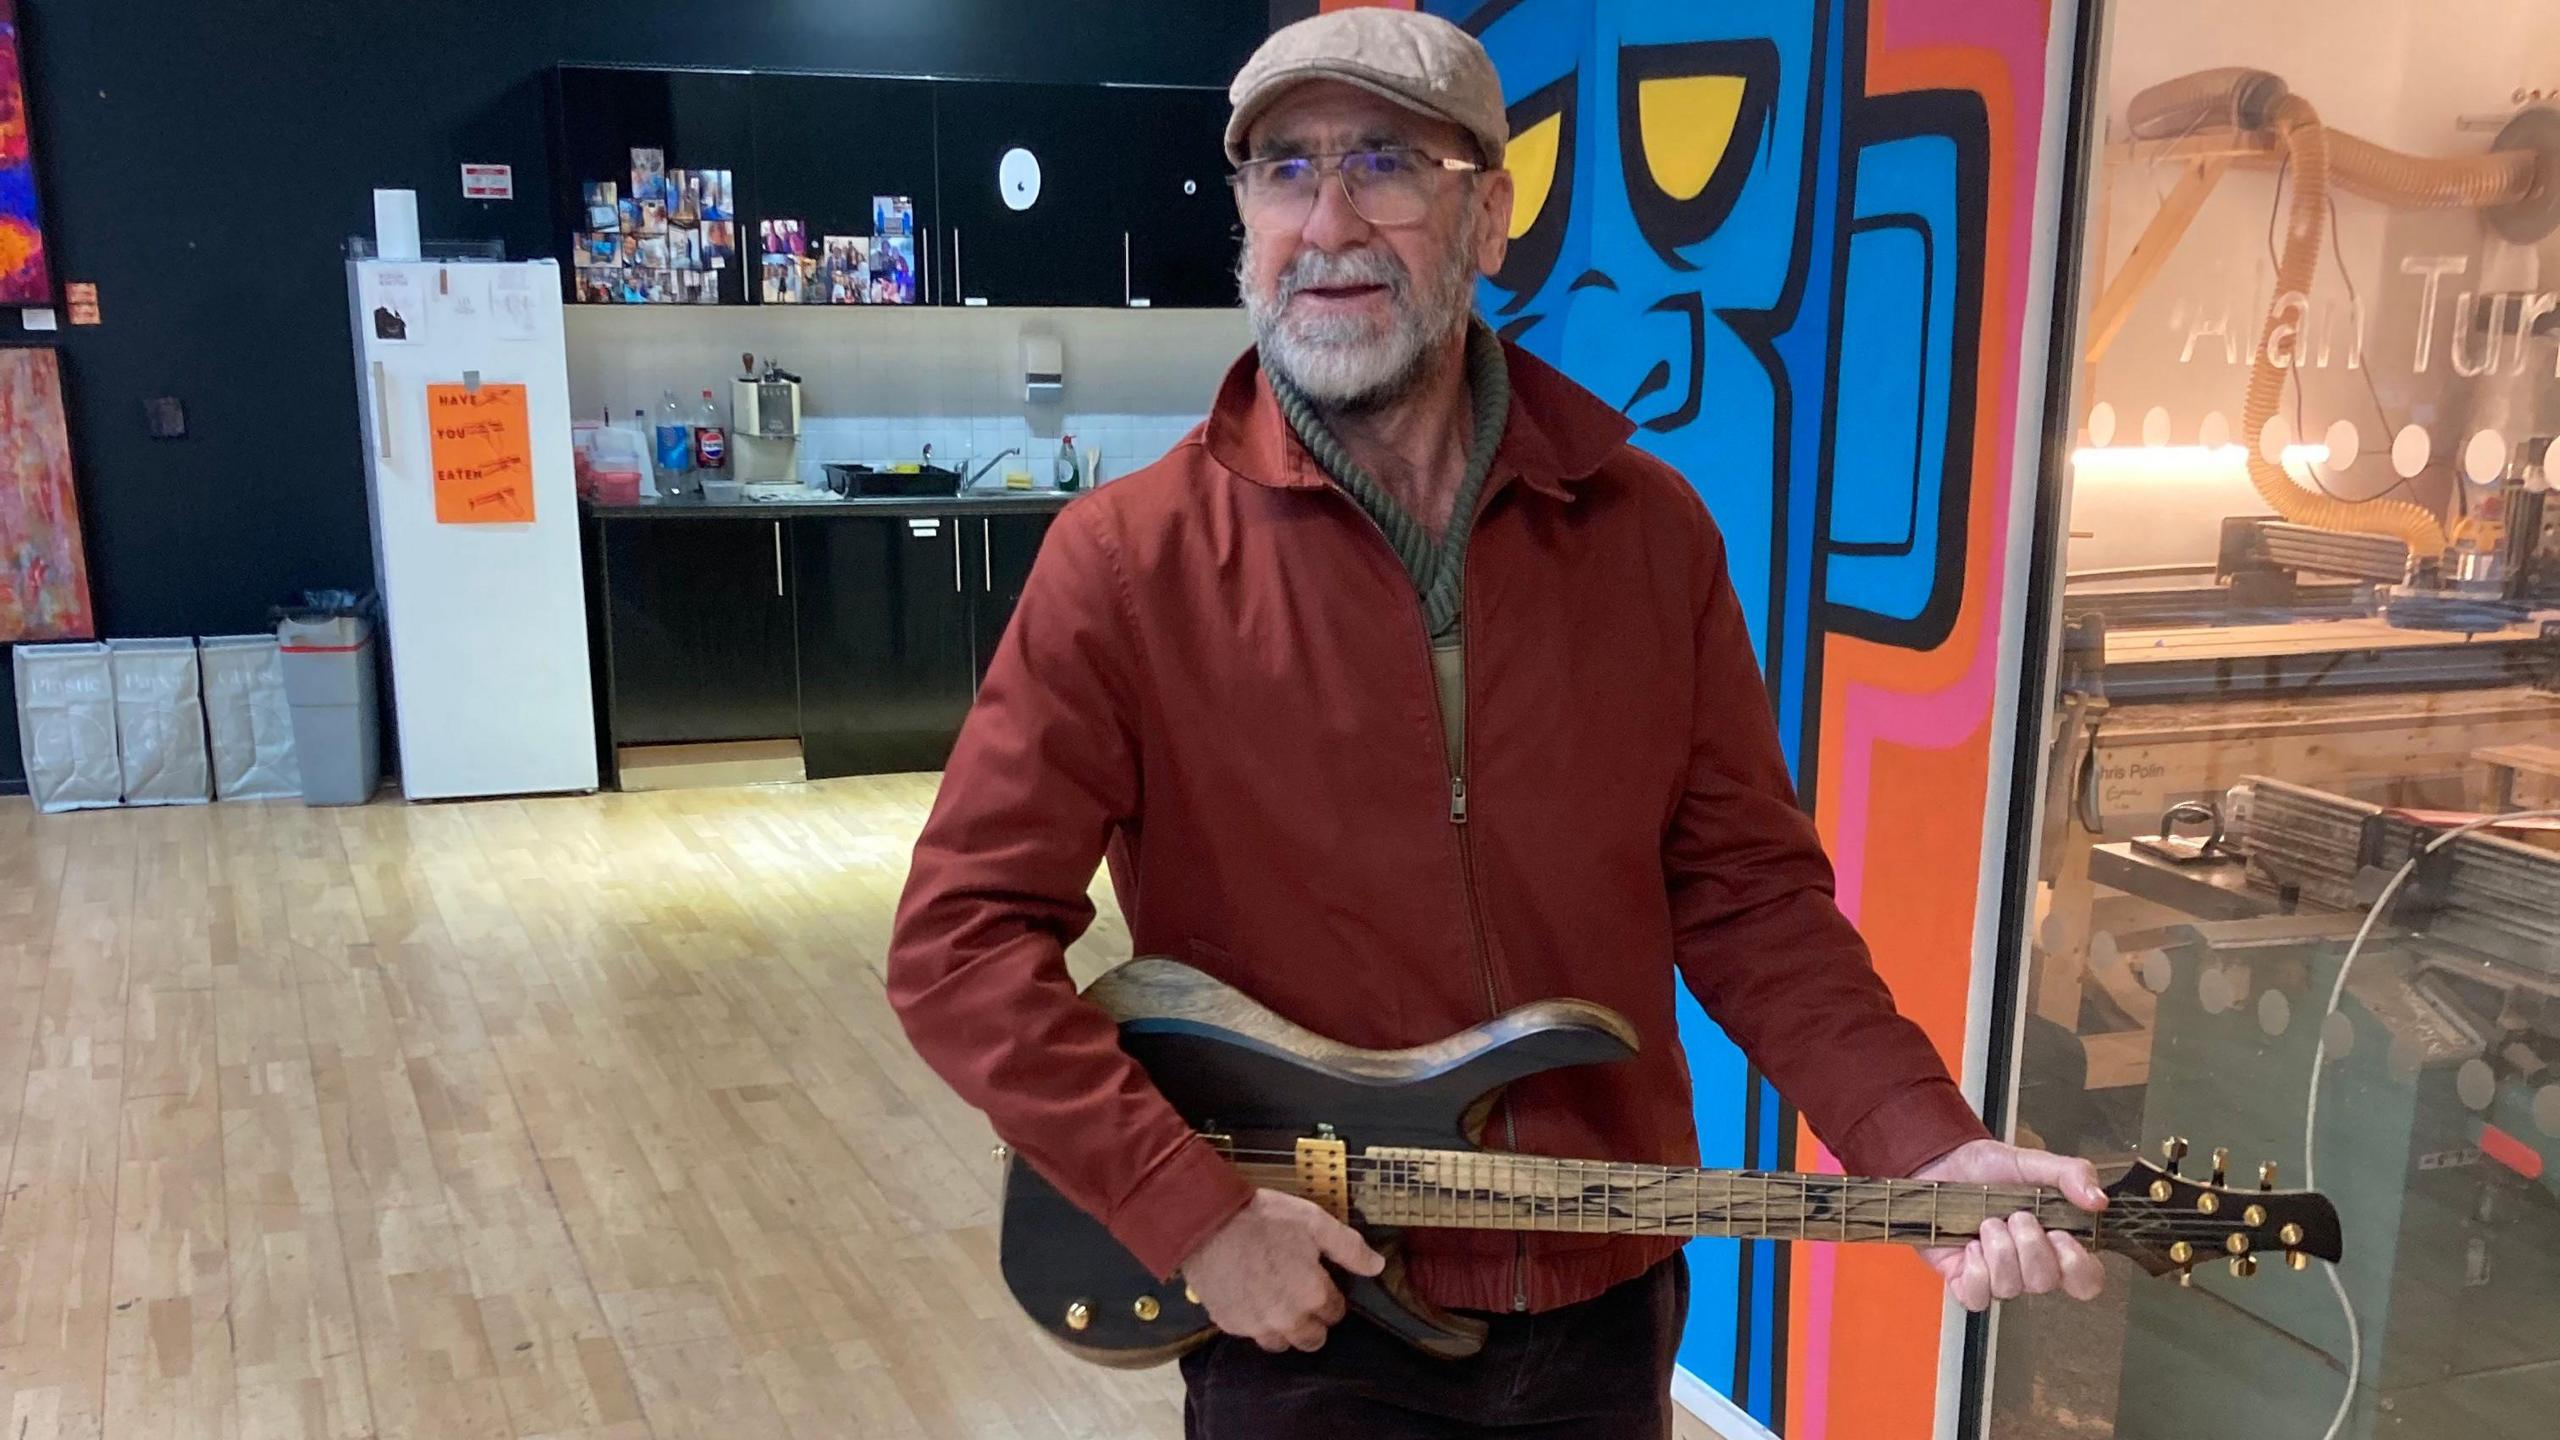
1219,674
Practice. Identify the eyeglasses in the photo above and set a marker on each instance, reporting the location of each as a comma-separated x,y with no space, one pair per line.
1387,187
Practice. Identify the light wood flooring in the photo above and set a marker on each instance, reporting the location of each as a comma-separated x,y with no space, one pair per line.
576,1117
565,1117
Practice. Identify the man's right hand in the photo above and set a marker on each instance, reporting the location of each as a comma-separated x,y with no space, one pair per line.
1262,1274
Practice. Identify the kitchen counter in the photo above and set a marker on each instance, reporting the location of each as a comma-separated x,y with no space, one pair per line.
978,503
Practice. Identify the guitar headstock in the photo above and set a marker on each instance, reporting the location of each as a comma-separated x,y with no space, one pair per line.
2170,1224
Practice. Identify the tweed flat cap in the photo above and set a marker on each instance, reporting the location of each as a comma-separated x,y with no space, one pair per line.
1421,62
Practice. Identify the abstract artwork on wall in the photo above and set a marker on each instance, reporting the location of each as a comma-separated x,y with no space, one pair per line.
1799,244
24,277
44,580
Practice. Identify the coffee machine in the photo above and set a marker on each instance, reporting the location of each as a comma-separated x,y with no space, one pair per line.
764,430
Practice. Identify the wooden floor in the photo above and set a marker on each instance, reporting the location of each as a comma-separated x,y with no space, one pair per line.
565,1117
568,1117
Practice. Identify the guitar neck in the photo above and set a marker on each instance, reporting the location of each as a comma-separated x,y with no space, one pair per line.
1481,1190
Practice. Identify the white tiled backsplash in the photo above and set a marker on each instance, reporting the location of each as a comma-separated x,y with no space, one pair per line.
879,383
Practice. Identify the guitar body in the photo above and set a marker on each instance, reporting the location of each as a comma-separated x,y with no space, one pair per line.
1235,1069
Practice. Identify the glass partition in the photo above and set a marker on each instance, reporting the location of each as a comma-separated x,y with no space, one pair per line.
2309,636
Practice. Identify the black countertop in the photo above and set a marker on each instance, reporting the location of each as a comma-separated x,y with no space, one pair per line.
687,507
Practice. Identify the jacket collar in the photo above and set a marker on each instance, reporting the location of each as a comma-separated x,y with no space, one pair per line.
1557,436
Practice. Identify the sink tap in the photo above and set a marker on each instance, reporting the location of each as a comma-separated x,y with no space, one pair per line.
1000,457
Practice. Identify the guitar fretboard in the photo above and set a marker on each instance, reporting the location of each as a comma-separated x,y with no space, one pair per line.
1488,1191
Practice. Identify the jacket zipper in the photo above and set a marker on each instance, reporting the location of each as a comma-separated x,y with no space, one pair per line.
1454,764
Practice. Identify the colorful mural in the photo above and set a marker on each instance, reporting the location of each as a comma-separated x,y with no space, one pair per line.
44,581
25,279
1791,239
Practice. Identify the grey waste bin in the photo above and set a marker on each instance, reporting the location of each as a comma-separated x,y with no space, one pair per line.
337,723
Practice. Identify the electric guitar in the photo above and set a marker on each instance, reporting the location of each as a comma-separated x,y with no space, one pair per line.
1384,1140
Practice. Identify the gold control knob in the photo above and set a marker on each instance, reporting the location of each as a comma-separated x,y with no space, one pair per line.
1146,1308
1079,1315
2256,1215
2160,1191
2244,1267
2291,1235
2182,1252
2208,1203
2237,1243
1190,1294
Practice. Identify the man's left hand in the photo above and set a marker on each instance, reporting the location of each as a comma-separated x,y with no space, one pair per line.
2016,1256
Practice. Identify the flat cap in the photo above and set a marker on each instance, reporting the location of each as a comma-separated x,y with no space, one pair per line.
1421,62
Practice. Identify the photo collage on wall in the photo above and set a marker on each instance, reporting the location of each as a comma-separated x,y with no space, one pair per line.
874,269
664,241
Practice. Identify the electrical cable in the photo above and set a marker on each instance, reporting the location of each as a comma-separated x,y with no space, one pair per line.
2293,376
2319,1058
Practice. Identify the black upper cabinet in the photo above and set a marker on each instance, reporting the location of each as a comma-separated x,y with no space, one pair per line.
825,145
701,119
1172,198
1029,178
1025,194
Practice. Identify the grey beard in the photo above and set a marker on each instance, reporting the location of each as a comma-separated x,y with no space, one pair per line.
1347,366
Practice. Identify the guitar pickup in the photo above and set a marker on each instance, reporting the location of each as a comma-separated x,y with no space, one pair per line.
1324,1175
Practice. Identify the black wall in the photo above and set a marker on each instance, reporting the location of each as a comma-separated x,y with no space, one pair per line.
203,164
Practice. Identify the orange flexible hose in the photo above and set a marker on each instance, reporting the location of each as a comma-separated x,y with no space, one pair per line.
2454,182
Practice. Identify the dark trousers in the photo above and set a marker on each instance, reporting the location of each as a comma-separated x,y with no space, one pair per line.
1600,1370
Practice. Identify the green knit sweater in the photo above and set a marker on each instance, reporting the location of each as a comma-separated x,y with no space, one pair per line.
1438,569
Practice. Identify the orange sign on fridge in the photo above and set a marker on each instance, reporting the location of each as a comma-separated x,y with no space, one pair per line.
482,450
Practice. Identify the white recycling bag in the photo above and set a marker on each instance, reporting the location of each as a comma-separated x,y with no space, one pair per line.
244,710
67,726
160,722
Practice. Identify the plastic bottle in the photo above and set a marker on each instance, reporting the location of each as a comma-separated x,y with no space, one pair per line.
1068,461
675,437
710,437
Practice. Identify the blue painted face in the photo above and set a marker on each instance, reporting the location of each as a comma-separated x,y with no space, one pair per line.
1777,278
1662,154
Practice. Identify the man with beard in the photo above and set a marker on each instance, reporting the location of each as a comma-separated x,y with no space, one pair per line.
1401,692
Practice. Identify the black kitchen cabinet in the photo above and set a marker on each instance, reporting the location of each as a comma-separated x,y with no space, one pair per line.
1029,179
1005,546
699,119
886,671
1175,212
825,145
700,631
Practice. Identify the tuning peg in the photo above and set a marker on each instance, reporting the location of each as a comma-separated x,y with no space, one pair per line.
2298,1260
2221,1167
2244,1267
2174,1150
2267,1175
2186,1279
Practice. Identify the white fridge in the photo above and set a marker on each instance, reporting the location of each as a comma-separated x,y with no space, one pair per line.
484,610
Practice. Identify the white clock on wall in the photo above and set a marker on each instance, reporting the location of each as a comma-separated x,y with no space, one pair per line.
1018,178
